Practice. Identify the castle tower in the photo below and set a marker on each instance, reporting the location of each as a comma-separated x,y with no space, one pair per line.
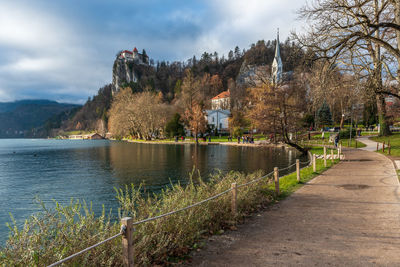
135,53
277,64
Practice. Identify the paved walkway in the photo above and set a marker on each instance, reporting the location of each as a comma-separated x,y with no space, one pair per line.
371,145
348,216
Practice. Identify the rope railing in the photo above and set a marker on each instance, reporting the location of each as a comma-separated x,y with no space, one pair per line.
182,209
87,249
125,233
255,180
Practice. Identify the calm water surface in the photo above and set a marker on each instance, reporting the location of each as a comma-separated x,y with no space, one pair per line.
90,170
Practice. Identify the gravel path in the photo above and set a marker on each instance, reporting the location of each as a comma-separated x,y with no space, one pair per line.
348,216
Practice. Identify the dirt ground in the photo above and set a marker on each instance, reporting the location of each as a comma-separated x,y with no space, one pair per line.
348,216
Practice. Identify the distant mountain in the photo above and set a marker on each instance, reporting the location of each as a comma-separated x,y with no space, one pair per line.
20,118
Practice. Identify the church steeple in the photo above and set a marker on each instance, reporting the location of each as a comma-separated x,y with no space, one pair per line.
277,63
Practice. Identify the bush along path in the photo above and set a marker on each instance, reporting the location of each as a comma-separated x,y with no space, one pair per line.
347,216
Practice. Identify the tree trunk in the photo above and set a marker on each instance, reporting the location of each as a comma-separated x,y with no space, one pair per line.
286,140
377,81
341,122
298,147
384,125
397,20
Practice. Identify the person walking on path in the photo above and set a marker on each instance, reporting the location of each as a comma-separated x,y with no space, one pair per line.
337,140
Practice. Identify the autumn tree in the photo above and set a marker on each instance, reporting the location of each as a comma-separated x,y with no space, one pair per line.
191,104
278,109
141,115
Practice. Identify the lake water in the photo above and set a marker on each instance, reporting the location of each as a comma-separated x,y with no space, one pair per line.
91,169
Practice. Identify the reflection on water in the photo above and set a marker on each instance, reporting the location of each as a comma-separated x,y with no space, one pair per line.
90,170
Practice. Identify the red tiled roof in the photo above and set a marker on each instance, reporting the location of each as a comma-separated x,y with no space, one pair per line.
224,94
126,51
135,50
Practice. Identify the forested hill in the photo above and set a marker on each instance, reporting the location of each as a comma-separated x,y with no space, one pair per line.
20,118
166,77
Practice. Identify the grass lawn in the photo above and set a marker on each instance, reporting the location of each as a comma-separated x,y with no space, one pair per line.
345,142
319,150
394,144
288,184
369,133
77,132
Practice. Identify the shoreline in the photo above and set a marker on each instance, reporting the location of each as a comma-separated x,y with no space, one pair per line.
256,144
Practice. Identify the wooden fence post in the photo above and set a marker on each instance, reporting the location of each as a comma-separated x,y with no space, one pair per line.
377,146
383,146
127,242
389,148
332,156
234,200
276,176
324,156
298,169
314,163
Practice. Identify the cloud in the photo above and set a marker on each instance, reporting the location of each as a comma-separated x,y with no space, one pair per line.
241,23
43,50
64,50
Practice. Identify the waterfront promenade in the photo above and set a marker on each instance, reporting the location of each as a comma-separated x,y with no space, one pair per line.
348,216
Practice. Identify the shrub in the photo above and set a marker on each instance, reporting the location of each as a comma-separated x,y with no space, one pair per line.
345,134
56,233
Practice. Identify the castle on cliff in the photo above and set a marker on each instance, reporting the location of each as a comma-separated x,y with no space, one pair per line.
126,68
134,56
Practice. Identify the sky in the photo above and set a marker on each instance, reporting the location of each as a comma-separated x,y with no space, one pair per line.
64,50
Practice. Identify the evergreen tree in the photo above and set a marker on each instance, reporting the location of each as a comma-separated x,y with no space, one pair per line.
324,115
237,52
174,127
144,55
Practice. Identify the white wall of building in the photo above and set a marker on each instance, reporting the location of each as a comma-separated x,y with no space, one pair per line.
218,118
221,103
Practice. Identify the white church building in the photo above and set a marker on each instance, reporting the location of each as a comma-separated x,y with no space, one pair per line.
218,115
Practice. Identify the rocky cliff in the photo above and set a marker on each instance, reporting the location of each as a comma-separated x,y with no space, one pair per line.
124,72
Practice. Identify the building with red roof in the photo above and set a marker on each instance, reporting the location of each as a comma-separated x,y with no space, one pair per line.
134,55
221,101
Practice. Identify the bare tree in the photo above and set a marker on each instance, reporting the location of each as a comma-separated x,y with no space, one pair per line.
142,115
357,33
